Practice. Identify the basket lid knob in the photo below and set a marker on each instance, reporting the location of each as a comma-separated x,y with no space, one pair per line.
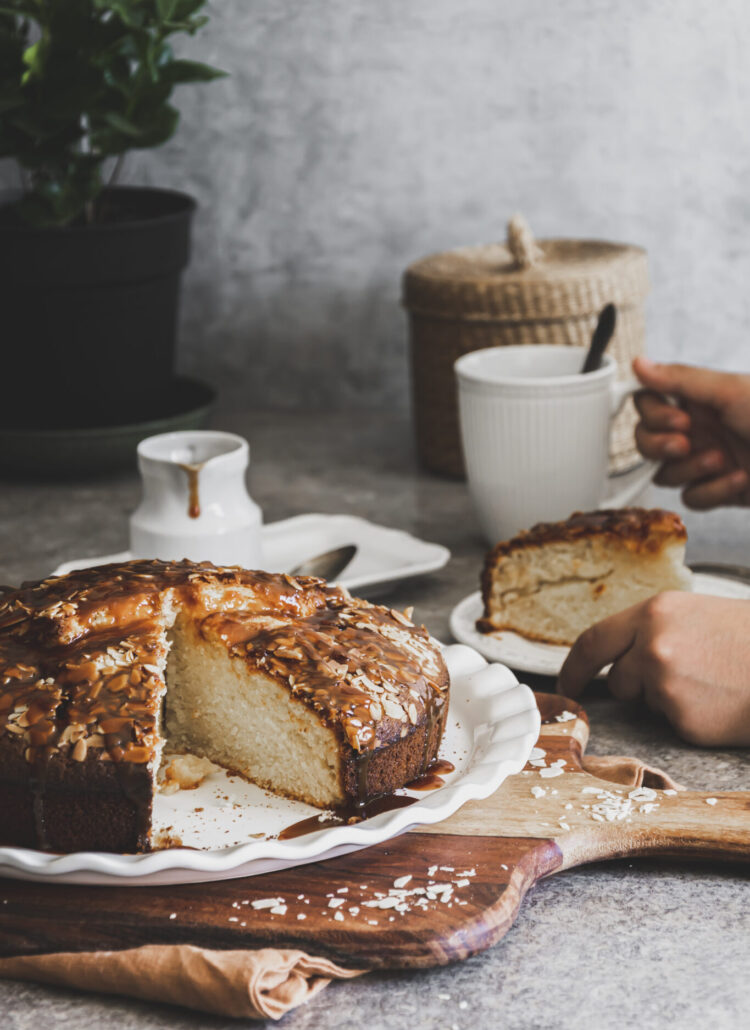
525,250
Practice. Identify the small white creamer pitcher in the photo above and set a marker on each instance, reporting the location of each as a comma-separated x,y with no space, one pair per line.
195,503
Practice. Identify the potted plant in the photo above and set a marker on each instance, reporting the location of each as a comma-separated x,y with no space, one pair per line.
89,269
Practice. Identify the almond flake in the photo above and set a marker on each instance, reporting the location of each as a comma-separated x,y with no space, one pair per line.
267,903
565,716
394,709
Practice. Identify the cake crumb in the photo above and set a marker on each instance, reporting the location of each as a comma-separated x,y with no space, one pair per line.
565,716
185,772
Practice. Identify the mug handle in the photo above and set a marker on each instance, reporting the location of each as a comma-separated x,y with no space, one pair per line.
621,390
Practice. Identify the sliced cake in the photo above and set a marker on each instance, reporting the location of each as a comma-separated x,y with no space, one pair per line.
291,683
552,582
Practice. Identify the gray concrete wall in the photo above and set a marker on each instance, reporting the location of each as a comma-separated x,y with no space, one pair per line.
356,135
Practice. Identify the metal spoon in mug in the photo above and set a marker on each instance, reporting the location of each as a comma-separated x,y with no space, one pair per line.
328,565
603,333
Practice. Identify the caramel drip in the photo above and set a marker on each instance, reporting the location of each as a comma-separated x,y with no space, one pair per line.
346,816
428,781
193,474
441,766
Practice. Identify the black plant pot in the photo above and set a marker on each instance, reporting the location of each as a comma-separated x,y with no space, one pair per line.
88,313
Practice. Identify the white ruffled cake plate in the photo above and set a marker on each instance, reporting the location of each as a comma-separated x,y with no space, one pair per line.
383,555
229,828
547,659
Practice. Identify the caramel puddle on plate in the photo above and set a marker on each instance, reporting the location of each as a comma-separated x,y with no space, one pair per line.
430,780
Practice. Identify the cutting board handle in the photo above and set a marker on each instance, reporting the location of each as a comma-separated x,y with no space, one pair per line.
705,825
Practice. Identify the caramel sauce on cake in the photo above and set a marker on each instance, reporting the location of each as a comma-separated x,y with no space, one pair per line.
83,680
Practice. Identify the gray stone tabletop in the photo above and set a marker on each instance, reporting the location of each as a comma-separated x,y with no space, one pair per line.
639,943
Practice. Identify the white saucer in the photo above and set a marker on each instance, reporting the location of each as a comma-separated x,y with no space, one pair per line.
383,555
493,723
547,659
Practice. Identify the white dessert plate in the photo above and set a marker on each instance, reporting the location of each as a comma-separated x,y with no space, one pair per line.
493,723
383,555
547,659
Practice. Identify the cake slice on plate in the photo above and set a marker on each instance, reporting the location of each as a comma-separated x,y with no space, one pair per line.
552,582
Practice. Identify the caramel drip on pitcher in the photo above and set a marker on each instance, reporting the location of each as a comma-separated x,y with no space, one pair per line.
193,474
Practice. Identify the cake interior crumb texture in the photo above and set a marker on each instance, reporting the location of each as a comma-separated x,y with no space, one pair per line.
555,581
271,738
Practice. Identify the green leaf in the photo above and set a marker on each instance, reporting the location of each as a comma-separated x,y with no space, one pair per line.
159,128
166,8
121,124
32,59
179,71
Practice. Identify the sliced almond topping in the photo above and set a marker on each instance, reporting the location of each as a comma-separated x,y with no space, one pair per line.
79,751
394,709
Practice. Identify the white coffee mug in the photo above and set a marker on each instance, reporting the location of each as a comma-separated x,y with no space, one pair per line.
535,434
195,503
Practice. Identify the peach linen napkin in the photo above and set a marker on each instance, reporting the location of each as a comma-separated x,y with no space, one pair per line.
262,984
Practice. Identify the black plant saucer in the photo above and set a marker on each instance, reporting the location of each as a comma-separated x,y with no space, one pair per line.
99,450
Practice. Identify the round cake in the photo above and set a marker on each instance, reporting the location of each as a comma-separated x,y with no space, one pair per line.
291,683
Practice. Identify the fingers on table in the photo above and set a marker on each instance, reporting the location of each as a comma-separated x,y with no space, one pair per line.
596,647
625,677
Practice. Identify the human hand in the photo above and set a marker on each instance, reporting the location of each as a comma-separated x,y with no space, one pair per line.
687,655
703,445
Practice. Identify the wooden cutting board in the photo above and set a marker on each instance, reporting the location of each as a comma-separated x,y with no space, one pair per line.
490,853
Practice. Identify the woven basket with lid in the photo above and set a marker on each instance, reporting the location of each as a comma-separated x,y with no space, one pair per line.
523,292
